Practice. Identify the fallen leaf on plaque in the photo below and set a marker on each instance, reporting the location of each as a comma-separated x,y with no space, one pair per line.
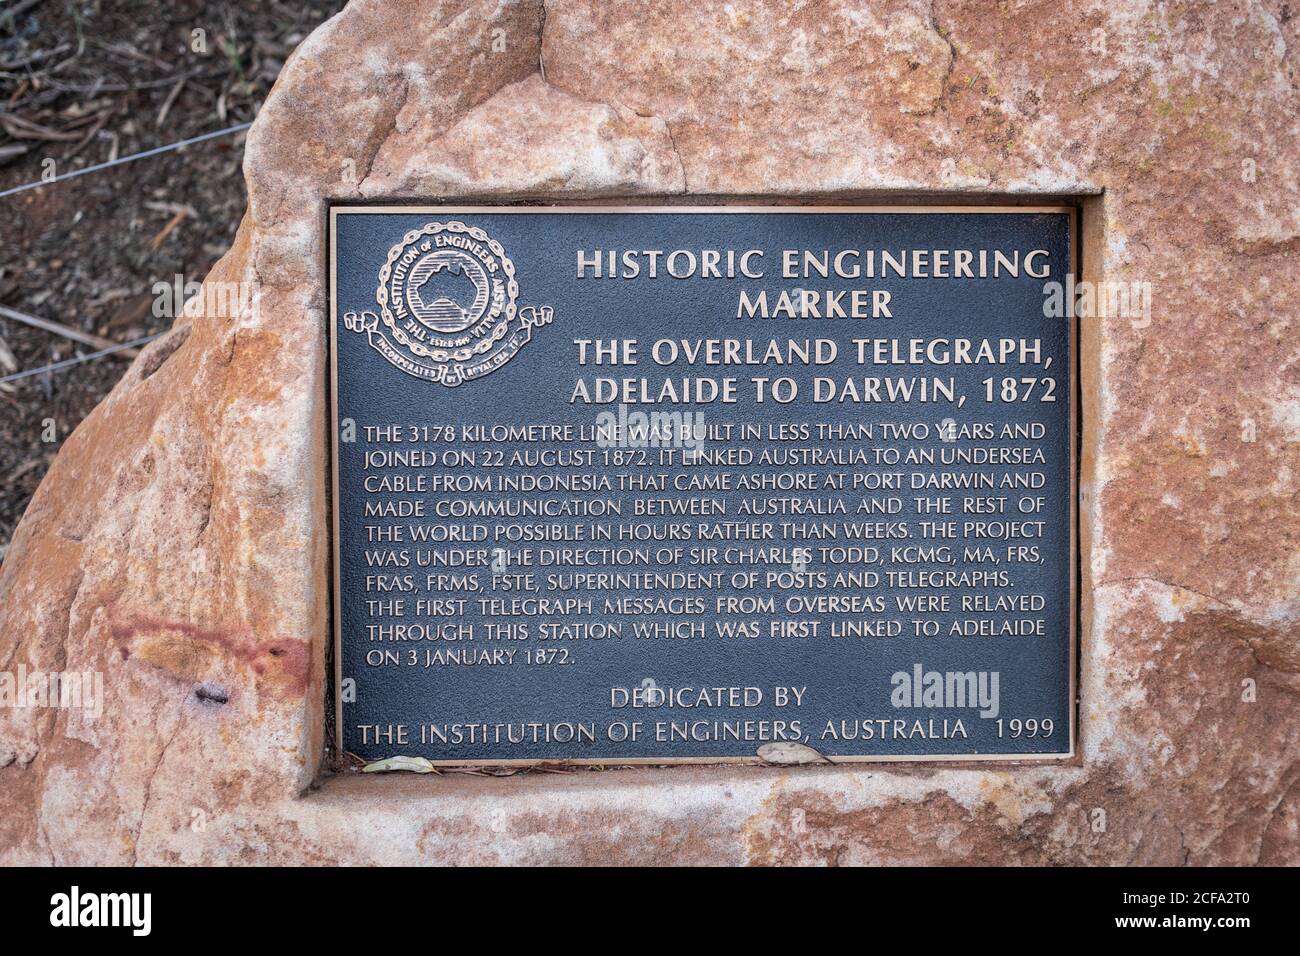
787,753
412,764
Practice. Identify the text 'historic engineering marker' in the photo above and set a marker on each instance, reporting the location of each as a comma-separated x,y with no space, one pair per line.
617,485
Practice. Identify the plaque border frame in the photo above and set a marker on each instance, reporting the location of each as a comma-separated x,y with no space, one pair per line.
654,204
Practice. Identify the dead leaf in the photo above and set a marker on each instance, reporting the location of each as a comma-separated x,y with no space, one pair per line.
411,764
787,754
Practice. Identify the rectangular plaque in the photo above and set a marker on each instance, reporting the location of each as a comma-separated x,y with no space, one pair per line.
702,484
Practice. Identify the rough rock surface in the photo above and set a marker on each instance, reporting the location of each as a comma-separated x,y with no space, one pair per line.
178,544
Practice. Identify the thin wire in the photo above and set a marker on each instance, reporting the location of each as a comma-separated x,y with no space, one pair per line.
126,159
77,360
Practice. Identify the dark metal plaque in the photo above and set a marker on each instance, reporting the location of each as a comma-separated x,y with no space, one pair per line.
703,484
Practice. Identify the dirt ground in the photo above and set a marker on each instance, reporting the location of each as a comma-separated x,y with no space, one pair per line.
84,83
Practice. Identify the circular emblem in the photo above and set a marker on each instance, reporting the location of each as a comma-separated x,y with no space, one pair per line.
447,291
447,300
